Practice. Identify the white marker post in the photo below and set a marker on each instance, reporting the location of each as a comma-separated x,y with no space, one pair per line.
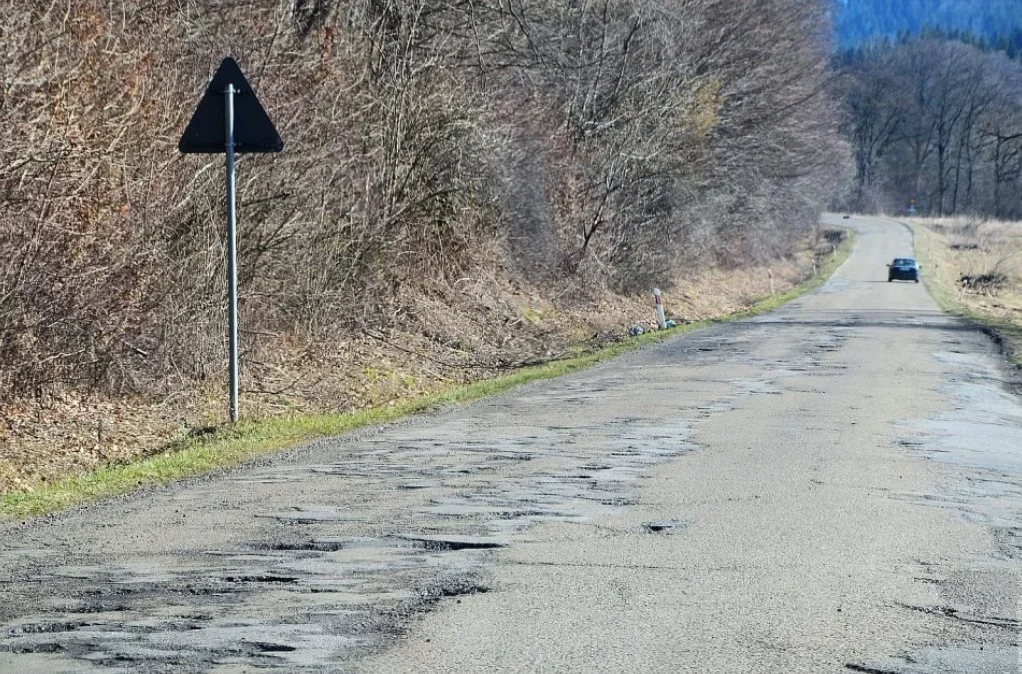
661,319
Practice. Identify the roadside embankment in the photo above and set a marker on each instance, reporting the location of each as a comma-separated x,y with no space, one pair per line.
75,448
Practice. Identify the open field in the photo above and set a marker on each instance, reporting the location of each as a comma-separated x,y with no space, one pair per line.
974,269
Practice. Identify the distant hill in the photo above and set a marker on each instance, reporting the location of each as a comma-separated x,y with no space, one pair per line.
859,21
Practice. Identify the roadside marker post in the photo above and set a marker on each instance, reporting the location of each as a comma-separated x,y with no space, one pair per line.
661,319
230,119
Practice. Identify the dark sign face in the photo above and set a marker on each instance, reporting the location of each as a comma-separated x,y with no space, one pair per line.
253,131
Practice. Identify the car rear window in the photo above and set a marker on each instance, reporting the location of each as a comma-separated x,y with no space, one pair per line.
904,262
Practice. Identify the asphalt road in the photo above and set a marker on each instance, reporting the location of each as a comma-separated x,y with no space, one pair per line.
833,487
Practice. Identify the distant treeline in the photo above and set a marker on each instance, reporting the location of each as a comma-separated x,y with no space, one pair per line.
936,124
862,21
1008,42
607,143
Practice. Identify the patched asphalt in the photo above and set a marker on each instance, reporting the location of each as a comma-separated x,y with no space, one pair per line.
836,486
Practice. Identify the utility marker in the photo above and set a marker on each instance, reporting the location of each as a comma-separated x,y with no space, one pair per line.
230,119
661,319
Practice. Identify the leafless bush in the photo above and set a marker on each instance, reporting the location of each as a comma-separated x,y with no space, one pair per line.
605,141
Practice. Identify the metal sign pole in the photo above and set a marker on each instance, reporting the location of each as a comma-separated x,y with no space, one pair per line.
232,253
218,126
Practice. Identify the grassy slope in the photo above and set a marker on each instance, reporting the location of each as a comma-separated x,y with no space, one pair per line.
231,446
943,269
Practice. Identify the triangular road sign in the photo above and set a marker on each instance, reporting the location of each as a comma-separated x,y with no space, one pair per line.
253,130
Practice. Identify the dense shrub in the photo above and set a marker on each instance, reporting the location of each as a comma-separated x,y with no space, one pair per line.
607,142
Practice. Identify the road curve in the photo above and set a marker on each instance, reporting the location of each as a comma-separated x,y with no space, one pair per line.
833,487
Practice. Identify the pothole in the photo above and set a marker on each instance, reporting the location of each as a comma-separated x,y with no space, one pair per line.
618,501
460,585
662,526
44,628
48,647
443,543
453,589
462,590
325,544
262,579
101,608
314,545
266,647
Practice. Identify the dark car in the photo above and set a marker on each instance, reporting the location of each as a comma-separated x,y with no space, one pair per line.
903,269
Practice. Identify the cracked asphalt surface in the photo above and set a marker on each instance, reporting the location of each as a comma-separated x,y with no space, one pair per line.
833,487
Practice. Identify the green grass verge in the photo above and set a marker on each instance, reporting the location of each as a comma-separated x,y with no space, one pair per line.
232,445
942,284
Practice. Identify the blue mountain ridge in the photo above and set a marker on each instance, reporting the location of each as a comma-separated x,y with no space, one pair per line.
860,21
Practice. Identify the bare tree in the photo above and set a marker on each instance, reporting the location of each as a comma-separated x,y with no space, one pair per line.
953,112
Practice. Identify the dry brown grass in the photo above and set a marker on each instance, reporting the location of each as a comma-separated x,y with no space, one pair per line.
975,267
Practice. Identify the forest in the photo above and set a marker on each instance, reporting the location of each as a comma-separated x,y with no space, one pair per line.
861,21
936,125
600,146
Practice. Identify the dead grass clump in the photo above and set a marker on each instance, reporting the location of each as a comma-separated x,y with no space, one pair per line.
988,283
988,253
